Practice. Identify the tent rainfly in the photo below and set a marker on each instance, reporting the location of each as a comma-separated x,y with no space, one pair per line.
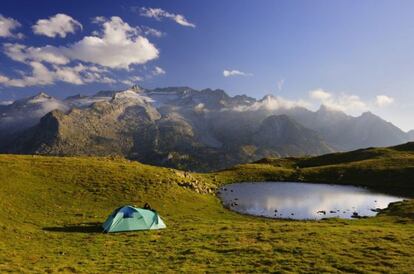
129,218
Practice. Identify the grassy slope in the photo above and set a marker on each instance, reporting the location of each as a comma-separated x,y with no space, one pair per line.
52,208
389,168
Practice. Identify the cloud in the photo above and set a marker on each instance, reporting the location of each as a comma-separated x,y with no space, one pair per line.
234,72
383,100
7,26
320,94
271,103
132,80
118,47
151,32
6,103
3,79
158,71
41,75
58,25
24,54
158,14
69,75
348,103
342,102
280,84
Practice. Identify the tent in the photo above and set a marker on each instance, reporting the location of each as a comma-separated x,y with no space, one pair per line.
129,218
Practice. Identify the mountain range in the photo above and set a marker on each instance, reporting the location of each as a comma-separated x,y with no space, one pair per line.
184,128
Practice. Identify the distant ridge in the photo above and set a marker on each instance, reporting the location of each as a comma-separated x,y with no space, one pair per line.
184,128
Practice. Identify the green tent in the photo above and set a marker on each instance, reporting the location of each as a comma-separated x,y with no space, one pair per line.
128,218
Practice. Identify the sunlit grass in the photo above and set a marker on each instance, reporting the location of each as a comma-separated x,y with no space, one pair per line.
51,210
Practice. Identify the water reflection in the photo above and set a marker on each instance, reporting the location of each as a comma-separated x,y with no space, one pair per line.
303,200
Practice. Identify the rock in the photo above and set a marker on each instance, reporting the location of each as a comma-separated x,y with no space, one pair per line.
355,215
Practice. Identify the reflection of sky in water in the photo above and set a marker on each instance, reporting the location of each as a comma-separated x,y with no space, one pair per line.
302,200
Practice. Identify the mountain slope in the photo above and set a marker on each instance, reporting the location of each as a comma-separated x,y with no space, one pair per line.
27,112
288,138
344,132
184,128
411,135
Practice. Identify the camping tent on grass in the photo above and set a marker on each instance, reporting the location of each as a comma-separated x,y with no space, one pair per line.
129,218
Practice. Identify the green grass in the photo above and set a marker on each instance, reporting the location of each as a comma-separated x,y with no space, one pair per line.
51,209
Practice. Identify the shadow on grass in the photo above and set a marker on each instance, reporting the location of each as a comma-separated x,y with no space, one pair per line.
93,227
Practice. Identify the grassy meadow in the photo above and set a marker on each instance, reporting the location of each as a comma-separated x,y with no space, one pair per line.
52,208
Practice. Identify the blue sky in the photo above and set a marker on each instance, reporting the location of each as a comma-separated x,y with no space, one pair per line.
351,55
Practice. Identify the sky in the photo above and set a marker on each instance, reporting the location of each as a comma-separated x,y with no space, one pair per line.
353,56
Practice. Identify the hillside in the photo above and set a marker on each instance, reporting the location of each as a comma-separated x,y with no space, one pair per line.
381,168
411,135
52,208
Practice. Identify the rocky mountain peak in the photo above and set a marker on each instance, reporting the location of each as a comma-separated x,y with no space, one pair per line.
137,89
41,96
368,115
131,94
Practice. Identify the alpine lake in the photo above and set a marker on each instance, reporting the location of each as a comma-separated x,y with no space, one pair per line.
304,201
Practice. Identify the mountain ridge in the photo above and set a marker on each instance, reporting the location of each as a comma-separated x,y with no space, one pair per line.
184,127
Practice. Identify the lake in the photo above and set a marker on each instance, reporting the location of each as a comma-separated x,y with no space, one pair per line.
303,200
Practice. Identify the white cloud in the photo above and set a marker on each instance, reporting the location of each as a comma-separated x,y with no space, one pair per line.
158,71
342,102
58,25
7,26
158,14
348,103
99,20
119,46
132,80
383,100
22,53
3,79
271,103
234,72
320,94
151,32
6,103
280,84
69,75
41,75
